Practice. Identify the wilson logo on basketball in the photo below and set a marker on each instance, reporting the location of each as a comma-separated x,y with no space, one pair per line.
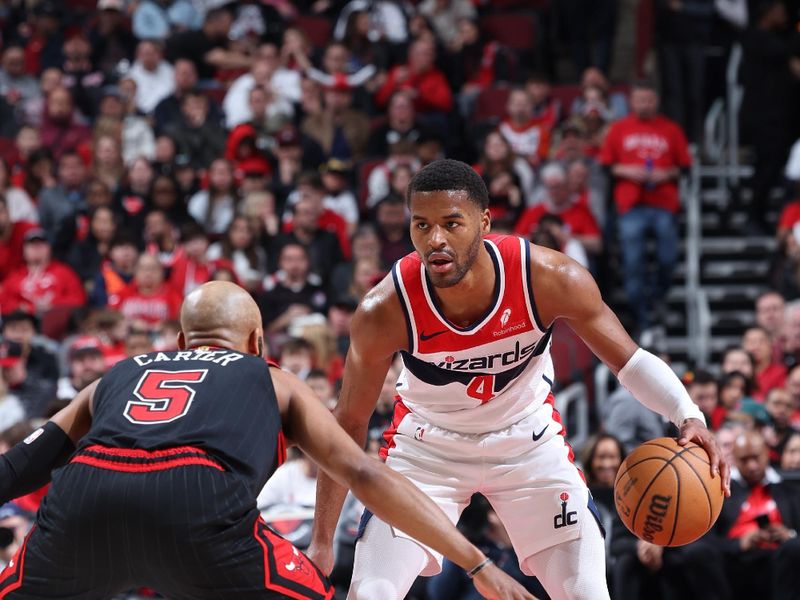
659,505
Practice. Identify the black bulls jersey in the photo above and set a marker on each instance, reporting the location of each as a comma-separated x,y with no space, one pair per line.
216,400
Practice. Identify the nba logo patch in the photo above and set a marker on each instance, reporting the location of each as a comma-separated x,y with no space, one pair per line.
419,433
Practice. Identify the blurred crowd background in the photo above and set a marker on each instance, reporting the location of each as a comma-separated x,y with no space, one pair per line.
149,146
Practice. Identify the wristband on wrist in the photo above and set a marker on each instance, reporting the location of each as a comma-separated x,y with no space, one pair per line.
479,567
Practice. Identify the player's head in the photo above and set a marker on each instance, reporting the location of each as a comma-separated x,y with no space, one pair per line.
220,313
449,217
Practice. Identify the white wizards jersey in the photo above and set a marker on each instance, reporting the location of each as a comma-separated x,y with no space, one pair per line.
484,377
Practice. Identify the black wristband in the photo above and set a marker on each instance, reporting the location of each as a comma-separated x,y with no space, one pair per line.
26,467
479,567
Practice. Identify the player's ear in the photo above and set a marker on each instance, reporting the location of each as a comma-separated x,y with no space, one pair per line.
255,342
486,222
181,341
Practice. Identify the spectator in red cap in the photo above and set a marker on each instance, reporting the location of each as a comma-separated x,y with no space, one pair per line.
42,283
148,299
421,79
11,240
86,363
242,151
646,153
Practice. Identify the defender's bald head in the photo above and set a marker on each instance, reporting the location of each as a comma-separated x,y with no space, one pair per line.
220,313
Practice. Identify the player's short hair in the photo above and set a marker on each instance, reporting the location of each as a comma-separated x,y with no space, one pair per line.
449,175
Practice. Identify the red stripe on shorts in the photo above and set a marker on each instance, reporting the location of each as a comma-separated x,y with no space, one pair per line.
400,411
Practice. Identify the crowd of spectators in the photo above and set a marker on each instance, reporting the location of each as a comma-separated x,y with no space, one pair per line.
149,146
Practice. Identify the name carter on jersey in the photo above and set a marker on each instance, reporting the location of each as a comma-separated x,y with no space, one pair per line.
489,361
219,357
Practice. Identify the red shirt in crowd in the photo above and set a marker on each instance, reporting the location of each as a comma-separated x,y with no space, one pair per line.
633,141
790,215
772,376
531,140
11,249
758,503
577,218
153,309
431,89
54,286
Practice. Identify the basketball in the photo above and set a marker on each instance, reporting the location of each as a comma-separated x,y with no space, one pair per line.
664,492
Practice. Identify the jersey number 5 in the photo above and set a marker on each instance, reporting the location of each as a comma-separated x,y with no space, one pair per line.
163,396
481,388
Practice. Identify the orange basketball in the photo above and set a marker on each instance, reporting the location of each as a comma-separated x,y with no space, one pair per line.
664,492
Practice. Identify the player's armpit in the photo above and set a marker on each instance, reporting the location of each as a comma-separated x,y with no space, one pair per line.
563,289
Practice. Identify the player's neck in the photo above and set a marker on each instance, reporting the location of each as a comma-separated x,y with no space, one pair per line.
470,298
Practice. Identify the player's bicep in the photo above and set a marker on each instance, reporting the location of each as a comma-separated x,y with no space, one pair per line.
565,290
76,418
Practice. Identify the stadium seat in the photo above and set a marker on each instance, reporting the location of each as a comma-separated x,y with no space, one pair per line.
517,31
491,104
318,29
566,94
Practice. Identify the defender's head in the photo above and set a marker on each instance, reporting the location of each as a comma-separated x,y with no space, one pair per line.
220,313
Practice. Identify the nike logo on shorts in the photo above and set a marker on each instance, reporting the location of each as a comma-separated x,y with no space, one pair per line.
425,338
537,436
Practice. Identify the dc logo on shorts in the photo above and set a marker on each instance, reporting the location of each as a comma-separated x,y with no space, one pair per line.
419,433
564,518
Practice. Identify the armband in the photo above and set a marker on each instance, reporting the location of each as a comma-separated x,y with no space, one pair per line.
27,466
655,385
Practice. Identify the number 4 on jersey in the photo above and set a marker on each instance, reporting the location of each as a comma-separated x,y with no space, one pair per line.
163,396
481,388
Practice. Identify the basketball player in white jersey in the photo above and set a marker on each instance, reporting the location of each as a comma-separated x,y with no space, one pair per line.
471,314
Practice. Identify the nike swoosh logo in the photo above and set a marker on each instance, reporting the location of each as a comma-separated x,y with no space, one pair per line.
425,338
537,436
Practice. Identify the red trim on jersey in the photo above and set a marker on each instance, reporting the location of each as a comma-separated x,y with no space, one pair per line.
279,549
18,568
114,465
400,412
551,400
280,452
144,454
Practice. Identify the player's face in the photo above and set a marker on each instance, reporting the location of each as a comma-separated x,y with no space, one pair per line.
447,229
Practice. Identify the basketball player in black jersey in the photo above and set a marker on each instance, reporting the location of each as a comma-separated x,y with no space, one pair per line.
172,449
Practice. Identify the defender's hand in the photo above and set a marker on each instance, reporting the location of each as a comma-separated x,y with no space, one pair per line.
322,556
494,584
693,430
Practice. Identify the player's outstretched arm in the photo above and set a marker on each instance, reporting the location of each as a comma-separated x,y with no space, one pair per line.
387,494
376,332
27,466
565,290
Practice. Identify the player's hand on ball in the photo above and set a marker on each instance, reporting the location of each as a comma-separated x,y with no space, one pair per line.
322,556
693,430
494,584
